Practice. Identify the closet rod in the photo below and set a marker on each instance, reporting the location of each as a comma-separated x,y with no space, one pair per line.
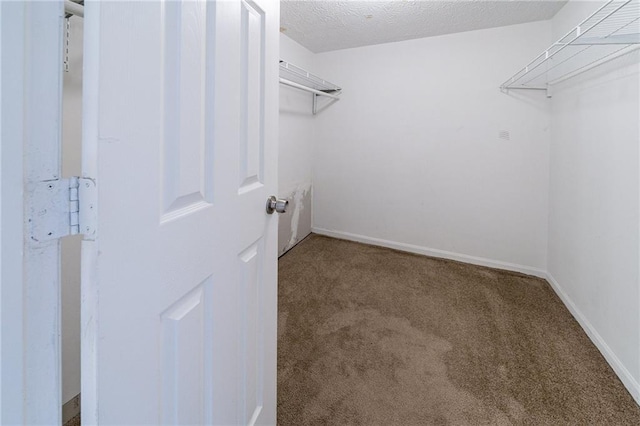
73,8
308,89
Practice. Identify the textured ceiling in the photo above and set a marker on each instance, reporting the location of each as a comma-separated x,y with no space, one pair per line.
323,25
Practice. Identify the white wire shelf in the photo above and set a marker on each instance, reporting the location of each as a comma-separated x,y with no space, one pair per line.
298,75
611,31
299,78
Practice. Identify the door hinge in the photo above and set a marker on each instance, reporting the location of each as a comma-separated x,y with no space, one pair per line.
62,207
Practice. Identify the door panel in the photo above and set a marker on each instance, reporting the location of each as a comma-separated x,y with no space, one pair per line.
251,342
252,96
186,170
186,327
181,279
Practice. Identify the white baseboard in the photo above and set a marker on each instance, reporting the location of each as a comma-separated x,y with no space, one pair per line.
625,376
432,252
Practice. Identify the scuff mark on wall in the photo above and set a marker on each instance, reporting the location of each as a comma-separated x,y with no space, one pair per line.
298,207
295,224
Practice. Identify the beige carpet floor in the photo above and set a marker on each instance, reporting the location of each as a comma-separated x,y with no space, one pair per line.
75,421
372,336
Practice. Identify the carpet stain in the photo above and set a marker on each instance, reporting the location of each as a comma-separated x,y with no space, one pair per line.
372,336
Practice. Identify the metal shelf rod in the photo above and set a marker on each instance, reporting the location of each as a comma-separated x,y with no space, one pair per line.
307,89
594,64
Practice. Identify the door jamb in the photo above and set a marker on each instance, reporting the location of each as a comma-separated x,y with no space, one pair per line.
30,126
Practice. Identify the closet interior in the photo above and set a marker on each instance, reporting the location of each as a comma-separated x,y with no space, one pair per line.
512,147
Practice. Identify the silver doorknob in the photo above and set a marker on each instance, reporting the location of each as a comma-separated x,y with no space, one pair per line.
275,205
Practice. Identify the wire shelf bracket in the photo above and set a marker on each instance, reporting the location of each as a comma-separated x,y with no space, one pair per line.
74,8
296,77
610,32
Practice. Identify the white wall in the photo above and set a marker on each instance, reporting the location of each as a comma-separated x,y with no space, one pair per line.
411,156
71,166
295,150
593,258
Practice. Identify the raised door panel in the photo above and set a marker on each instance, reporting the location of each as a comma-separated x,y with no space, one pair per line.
252,96
251,343
186,157
186,358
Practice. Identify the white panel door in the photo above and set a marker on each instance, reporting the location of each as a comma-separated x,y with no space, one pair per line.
179,287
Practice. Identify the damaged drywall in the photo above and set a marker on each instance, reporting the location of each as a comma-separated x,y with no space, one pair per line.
295,151
295,224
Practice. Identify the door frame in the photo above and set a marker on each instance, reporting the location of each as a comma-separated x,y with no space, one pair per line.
30,152
31,45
